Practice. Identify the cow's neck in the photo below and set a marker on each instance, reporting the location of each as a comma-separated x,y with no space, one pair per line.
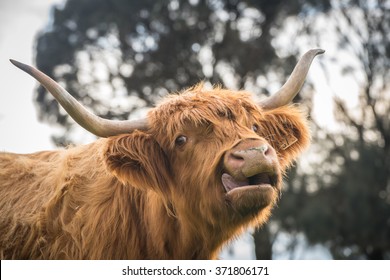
182,236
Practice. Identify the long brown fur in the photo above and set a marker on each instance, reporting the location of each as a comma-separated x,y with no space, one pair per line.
138,195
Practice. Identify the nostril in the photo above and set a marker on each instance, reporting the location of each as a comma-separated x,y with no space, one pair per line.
234,162
264,149
236,156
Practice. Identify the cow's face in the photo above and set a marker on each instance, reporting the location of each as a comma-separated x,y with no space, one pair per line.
217,156
214,153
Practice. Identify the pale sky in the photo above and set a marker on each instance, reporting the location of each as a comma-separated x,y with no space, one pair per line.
20,131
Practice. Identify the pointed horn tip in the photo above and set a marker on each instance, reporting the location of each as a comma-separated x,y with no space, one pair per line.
20,65
13,61
317,51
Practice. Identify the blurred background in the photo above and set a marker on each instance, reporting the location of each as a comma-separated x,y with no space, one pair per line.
119,57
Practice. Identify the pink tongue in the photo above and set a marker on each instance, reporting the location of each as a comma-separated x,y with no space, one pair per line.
230,183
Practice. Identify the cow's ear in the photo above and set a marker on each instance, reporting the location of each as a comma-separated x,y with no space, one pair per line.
136,159
286,129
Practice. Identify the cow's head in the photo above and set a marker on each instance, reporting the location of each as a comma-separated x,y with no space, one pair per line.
214,155
226,152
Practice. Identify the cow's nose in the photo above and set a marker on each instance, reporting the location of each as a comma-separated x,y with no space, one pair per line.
262,150
247,161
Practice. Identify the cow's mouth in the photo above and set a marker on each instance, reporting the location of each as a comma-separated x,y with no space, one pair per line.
264,179
250,195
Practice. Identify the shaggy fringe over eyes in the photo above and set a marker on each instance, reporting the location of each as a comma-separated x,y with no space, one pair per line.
198,106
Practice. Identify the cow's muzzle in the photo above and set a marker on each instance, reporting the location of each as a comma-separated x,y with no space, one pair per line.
250,163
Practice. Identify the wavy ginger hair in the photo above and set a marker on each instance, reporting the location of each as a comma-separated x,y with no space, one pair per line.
139,195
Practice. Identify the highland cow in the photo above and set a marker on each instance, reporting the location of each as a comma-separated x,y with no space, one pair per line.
203,166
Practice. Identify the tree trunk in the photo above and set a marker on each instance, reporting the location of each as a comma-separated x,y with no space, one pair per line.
263,244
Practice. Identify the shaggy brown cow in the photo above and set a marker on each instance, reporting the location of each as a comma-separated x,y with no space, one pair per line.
203,166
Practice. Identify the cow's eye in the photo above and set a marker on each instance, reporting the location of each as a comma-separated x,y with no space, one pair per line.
181,140
255,127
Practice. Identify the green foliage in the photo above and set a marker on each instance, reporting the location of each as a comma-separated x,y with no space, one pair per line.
350,214
345,202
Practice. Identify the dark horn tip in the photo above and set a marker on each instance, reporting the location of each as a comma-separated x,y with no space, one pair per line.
20,65
319,51
14,62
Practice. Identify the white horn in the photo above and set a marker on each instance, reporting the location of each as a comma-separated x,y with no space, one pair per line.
294,84
94,124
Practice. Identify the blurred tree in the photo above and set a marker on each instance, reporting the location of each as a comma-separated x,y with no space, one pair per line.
345,202
117,56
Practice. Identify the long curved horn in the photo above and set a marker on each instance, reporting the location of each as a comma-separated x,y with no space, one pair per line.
94,124
294,84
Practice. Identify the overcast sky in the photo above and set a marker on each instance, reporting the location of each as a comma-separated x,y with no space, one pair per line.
20,131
